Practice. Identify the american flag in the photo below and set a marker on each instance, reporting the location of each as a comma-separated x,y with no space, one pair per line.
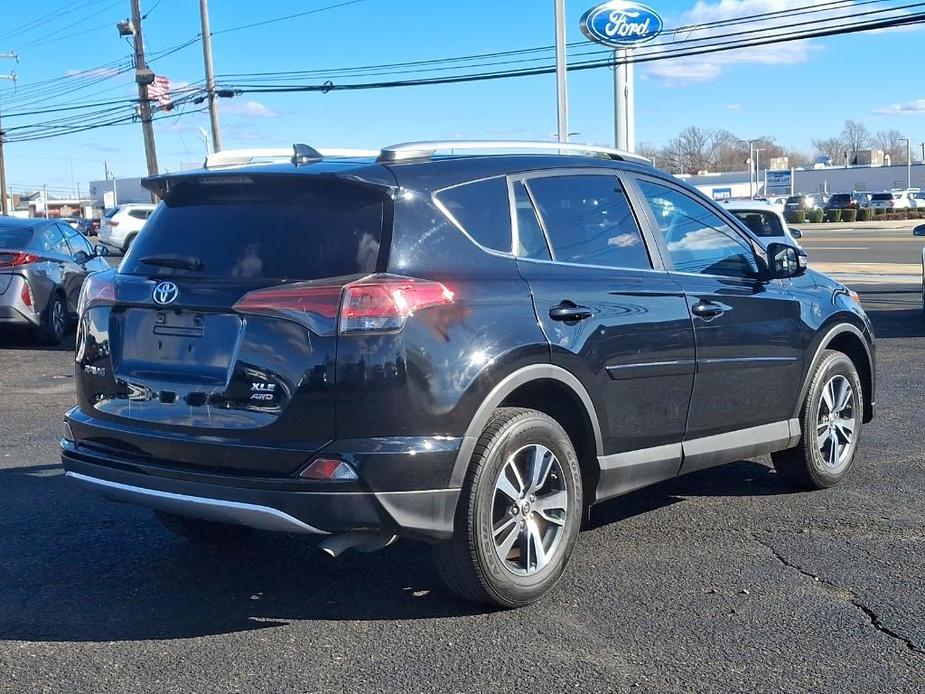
159,91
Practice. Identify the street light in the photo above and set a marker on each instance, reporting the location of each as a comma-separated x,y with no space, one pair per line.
908,161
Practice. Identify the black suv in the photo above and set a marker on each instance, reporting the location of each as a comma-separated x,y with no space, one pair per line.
467,350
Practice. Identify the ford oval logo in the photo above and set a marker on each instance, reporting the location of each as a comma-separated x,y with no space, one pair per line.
619,23
165,293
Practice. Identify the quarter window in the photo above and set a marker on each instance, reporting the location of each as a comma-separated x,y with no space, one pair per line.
589,221
481,209
697,240
531,243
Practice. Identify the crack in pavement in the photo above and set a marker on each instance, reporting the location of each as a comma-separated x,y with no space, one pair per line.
847,595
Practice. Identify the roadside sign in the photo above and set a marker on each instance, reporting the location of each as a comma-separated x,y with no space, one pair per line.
778,182
722,193
621,24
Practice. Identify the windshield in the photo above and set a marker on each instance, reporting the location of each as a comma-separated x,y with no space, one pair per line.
277,227
760,222
14,237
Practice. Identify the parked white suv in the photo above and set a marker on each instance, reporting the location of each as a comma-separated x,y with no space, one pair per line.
121,224
893,200
917,199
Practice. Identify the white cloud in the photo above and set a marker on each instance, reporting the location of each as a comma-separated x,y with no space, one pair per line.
915,106
708,67
254,109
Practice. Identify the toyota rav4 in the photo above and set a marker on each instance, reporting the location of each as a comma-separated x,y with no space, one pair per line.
469,349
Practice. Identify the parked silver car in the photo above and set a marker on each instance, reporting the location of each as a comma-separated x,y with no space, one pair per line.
43,264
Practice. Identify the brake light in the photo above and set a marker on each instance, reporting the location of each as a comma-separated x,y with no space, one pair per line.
26,294
16,258
328,469
379,303
97,290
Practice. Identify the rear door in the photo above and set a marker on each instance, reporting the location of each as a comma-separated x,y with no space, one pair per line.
181,349
748,331
612,315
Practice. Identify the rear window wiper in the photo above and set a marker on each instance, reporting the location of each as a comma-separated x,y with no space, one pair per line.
178,262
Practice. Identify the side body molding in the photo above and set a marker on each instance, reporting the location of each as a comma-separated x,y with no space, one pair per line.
505,387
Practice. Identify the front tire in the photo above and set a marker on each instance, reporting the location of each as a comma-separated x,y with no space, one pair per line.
519,512
831,421
203,531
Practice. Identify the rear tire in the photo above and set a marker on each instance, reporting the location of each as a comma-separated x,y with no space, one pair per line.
831,421
53,324
128,243
203,531
519,512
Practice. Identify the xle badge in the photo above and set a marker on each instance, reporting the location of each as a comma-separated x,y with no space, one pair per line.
263,391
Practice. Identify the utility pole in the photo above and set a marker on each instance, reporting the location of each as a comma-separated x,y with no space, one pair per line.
143,77
751,165
4,203
561,70
908,161
210,75
758,151
624,110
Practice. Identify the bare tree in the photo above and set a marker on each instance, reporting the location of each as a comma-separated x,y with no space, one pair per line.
833,148
856,137
888,141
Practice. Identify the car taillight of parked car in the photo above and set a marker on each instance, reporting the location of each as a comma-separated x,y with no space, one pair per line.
16,258
378,304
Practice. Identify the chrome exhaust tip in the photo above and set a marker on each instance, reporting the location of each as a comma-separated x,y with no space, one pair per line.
335,545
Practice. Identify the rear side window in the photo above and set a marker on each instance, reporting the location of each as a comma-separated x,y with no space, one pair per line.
760,223
14,238
589,221
266,227
531,243
481,209
51,240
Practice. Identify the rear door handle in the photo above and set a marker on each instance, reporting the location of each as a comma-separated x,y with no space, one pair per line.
569,311
708,309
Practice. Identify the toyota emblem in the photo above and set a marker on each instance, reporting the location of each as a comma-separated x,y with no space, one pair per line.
165,293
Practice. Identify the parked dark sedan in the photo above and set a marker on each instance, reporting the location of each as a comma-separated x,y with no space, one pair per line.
43,264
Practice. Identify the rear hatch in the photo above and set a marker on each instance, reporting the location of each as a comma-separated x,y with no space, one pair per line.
175,344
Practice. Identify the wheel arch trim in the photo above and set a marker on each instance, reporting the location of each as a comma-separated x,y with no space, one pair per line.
506,386
824,342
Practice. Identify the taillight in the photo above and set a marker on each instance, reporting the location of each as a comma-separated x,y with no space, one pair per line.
380,303
112,222
97,290
328,469
16,258
26,294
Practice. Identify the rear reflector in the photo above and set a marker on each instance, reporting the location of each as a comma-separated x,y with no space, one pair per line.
379,303
26,294
328,469
16,258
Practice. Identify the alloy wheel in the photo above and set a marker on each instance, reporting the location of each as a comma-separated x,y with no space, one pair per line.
529,509
836,422
57,317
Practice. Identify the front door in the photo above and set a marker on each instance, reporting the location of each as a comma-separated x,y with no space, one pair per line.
613,317
748,330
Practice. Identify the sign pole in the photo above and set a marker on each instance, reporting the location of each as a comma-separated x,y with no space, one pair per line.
561,86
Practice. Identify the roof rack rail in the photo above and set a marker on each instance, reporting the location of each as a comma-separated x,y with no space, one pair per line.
426,150
297,154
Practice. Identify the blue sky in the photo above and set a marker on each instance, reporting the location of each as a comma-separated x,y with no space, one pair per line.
794,92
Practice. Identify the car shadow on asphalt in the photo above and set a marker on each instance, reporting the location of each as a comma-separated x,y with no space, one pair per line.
11,338
78,568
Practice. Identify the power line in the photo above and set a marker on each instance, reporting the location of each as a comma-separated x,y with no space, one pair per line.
287,17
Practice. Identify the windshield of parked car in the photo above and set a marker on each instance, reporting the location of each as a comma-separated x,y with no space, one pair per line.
278,227
762,223
14,237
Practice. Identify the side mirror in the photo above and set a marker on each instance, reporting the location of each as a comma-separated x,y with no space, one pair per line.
100,251
919,230
796,233
81,257
785,261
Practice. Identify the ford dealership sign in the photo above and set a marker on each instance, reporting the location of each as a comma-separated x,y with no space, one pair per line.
621,24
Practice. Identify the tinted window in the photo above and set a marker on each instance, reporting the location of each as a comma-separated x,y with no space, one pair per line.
697,239
139,214
482,209
282,228
50,240
589,221
13,238
881,196
111,212
530,238
760,222
79,243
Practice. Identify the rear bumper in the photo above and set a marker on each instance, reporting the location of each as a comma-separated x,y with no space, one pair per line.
13,311
280,503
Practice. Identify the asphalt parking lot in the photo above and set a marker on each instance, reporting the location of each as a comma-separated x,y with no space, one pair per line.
723,580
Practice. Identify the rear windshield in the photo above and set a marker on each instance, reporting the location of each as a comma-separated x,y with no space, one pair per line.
794,198
760,223
840,197
111,212
14,237
881,196
267,227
